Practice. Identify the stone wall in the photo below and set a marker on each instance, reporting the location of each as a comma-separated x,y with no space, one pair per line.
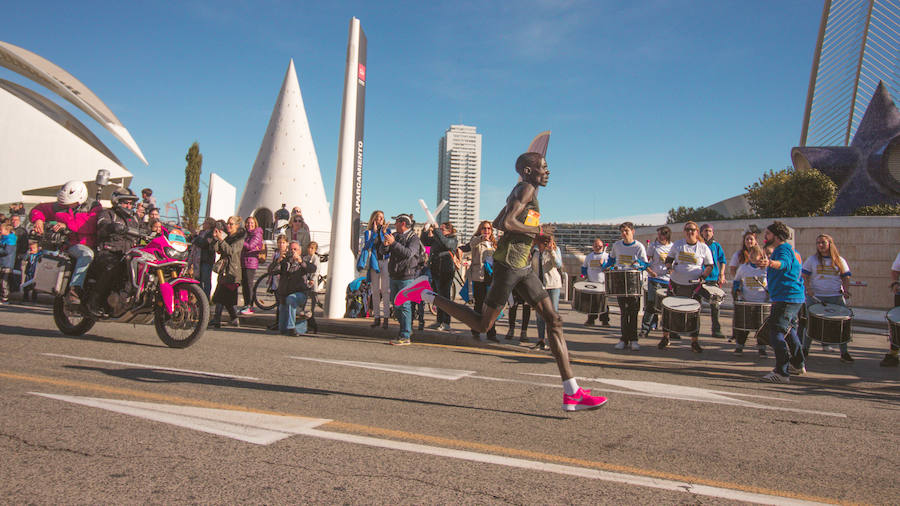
868,243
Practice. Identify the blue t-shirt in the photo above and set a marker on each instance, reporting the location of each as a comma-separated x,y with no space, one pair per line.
785,284
718,255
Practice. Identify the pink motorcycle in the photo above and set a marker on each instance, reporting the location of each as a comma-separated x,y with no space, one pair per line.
154,289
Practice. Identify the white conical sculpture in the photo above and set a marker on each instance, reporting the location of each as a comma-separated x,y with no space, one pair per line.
286,170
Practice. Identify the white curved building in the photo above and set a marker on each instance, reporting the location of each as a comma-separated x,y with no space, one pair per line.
286,170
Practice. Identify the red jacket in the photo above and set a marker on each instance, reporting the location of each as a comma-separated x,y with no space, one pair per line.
82,224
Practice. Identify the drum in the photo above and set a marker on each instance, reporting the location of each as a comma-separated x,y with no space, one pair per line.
624,283
893,319
661,293
713,294
681,314
829,323
589,298
750,316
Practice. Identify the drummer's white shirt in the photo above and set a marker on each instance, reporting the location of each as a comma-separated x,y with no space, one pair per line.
593,262
824,279
753,282
627,255
896,265
735,259
690,260
657,254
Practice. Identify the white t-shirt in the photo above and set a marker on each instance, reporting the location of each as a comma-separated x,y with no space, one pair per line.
594,264
626,255
753,282
657,255
824,278
896,265
735,259
690,260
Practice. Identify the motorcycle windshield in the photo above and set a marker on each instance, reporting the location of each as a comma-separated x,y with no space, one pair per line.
177,240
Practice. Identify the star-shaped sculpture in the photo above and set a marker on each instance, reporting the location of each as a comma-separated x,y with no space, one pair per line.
867,171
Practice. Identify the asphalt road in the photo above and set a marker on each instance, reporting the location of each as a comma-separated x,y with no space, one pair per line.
248,417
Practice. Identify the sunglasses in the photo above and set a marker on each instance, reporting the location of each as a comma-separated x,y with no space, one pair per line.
690,230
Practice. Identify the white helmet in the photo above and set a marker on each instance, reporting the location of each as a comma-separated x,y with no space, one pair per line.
73,192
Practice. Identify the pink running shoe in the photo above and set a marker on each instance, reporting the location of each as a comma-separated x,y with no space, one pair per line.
582,399
413,292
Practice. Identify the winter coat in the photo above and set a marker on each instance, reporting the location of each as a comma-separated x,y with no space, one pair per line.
442,249
482,250
112,230
301,236
406,255
7,251
253,244
294,277
552,263
83,225
205,243
231,249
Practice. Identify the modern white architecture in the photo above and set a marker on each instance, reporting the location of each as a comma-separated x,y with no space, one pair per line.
286,170
459,179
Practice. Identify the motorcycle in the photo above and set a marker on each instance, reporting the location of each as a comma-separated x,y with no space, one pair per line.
155,289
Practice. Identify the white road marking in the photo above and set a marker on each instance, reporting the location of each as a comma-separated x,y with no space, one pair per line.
265,429
256,428
695,394
156,367
428,372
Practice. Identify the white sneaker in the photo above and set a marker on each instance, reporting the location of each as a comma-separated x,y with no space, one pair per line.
774,377
635,346
446,327
620,345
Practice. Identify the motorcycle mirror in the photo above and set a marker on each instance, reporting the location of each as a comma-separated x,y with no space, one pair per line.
102,177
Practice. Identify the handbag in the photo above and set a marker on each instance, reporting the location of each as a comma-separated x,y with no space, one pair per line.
221,265
262,254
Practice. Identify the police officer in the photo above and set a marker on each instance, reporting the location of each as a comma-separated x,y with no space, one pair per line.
117,232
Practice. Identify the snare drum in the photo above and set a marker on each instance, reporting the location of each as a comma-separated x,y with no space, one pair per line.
750,316
681,315
713,294
589,298
624,283
893,319
829,324
661,293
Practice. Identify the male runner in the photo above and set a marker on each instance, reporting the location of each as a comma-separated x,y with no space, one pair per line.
520,220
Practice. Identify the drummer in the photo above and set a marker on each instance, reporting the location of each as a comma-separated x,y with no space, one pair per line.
716,276
690,261
659,276
750,286
628,254
741,256
592,270
892,358
826,277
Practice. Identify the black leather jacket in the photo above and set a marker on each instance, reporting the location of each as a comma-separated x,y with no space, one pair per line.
117,230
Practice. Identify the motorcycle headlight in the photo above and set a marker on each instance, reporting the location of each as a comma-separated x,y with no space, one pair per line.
176,253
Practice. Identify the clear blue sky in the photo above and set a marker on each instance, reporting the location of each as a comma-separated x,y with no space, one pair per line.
652,104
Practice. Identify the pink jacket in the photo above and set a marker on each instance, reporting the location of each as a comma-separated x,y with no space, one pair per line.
82,224
253,244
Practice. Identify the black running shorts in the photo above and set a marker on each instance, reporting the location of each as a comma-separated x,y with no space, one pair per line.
506,279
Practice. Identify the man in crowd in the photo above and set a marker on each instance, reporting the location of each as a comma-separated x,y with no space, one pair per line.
148,199
592,270
520,221
658,276
716,276
116,229
404,264
787,295
892,358
628,254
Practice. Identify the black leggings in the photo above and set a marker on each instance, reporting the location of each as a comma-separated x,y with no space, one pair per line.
526,316
247,278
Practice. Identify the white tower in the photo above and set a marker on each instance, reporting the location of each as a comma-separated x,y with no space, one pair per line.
459,178
286,170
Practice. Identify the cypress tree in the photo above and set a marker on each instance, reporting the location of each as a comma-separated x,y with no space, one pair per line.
191,196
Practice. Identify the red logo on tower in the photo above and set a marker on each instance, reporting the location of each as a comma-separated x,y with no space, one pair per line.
361,73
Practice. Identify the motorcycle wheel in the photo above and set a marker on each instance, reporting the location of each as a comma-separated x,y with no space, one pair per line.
188,321
70,321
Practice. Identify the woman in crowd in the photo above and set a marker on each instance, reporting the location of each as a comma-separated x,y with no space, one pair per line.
482,247
546,261
299,230
312,258
374,260
826,278
229,243
253,245
443,245
204,242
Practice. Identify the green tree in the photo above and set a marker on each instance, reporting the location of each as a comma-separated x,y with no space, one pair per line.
792,193
878,210
683,214
191,196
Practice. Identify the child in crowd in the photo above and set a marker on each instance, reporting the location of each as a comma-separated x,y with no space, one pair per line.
750,286
31,260
7,260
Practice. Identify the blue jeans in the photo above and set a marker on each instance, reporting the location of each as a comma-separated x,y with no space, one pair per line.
404,311
554,299
834,299
784,335
206,278
83,256
287,314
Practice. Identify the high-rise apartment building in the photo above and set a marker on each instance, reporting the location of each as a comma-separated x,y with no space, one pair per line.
459,179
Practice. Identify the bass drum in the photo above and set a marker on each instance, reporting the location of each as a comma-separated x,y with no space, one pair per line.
681,315
589,298
829,323
893,319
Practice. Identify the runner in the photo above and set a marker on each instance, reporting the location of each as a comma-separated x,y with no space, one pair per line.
520,220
